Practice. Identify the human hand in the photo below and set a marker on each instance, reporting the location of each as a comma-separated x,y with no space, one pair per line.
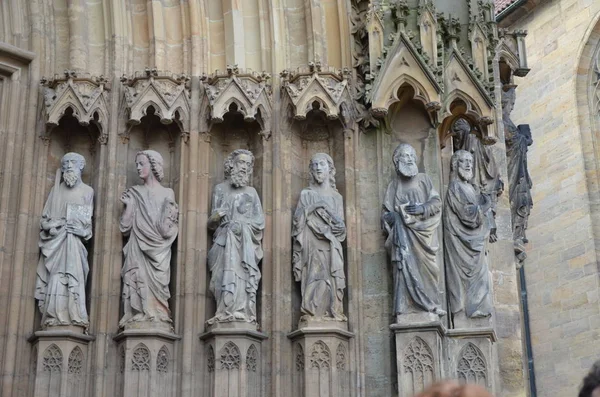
414,209
389,218
76,229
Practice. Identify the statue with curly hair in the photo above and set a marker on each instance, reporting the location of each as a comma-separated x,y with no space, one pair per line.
150,219
238,221
318,232
63,266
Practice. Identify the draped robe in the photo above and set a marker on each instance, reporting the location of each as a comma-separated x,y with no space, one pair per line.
412,243
63,265
146,272
466,235
318,259
233,258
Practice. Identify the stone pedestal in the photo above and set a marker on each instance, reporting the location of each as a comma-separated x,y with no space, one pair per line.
61,365
320,354
419,353
470,356
233,360
146,361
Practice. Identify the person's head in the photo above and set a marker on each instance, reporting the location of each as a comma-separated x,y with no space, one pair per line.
508,101
72,165
239,166
322,169
591,383
453,389
461,165
149,164
405,160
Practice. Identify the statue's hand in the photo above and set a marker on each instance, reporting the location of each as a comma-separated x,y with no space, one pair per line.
389,218
76,229
126,198
414,209
236,228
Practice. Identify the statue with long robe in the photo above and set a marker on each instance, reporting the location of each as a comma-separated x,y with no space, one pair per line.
411,214
486,175
238,222
63,265
466,235
318,232
150,219
518,139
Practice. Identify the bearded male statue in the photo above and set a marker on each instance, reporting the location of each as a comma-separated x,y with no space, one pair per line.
411,214
238,222
63,265
318,232
466,235
150,219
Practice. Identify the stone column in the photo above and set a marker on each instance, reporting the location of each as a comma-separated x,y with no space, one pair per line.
61,363
321,365
146,362
234,355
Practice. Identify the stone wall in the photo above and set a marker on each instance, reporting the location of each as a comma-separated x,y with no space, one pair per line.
196,55
562,263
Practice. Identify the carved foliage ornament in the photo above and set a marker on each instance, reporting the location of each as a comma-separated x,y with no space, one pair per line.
162,360
230,356
76,362
325,88
418,361
320,357
141,359
248,90
52,360
167,93
86,95
471,366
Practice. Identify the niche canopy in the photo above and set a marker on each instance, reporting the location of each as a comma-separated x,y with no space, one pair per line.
167,93
316,87
85,95
248,91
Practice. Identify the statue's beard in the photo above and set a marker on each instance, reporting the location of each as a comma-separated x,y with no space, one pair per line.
407,170
465,175
240,179
70,178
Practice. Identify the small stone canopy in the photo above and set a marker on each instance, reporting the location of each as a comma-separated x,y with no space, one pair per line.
245,91
168,94
85,95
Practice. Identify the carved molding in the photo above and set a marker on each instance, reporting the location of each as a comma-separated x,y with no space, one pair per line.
86,95
167,93
249,91
324,86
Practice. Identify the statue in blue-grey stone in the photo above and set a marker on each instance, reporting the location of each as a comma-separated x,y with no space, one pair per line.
63,265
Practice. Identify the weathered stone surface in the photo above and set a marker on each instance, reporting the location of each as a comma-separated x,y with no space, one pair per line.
150,220
238,221
318,231
63,265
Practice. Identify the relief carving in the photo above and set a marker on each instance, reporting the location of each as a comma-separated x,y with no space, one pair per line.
471,366
230,356
162,360
86,95
167,93
140,361
419,362
76,362
52,359
320,357
252,359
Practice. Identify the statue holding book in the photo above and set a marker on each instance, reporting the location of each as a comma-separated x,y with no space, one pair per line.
63,265
411,214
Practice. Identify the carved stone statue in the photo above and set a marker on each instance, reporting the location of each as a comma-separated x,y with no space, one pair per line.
517,141
466,234
318,231
411,214
238,221
63,266
486,175
150,219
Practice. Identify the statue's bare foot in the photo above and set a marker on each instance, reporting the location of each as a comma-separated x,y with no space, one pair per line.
439,312
239,316
479,314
